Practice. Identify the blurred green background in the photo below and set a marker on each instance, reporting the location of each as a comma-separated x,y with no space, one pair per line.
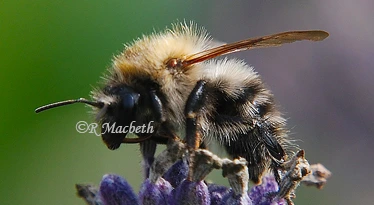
57,50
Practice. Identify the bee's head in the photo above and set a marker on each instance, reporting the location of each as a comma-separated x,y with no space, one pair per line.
118,111
116,107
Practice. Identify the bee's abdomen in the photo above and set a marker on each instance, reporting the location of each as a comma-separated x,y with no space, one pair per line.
244,120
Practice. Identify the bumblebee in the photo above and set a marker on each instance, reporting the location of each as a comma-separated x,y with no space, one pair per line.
173,79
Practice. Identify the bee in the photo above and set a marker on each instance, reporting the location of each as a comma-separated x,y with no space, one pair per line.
173,79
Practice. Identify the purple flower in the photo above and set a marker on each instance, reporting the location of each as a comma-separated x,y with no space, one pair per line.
177,177
217,192
190,192
115,190
157,193
177,173
265,193
236,199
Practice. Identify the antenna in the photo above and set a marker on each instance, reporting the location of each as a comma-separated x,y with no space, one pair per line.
68,102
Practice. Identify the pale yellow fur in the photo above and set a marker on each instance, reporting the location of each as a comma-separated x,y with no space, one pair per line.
147,57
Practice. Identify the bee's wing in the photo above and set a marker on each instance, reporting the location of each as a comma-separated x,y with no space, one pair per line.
260,42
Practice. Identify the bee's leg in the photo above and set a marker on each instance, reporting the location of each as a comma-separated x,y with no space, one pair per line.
268,133
157,107
276,169
203,145
148,147
165,131
195,102
194,105
269,129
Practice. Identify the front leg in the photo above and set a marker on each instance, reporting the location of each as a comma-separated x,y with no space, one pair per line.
148,146
193,109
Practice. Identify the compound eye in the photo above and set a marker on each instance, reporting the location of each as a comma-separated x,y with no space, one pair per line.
129,100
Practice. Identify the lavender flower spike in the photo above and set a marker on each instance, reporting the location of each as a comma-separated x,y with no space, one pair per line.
157,193
177,176
193,190
177,173
155,189
265,193
114,190
191,193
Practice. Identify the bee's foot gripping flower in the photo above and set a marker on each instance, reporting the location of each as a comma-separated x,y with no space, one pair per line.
177,177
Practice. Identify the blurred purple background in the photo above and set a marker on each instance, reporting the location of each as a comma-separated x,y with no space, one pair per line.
325,89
